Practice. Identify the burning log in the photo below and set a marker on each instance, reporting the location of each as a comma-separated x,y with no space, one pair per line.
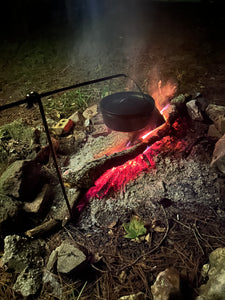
85,177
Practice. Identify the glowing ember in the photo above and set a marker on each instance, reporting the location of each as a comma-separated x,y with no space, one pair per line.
117,178
148,134
164,108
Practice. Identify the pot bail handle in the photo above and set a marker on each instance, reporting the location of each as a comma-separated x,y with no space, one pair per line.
137,85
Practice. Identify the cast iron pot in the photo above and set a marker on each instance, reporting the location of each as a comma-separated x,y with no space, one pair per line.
130,111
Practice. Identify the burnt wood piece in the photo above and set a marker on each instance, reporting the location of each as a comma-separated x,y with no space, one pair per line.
44,228
86,176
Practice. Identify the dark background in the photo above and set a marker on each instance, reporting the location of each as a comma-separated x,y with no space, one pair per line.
48,44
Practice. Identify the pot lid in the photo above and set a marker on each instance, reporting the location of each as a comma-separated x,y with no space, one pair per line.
128,104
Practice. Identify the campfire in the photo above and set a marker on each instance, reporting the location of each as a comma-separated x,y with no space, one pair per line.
159,176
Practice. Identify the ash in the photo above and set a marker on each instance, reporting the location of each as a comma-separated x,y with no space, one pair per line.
187,181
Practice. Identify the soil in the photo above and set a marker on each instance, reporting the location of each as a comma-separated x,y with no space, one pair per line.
151,42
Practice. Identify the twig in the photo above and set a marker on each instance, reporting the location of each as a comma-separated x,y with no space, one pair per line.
99,270
193,230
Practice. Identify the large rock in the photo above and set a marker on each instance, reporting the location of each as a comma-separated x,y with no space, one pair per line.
215,286
24,257
20,253
193,111
214,132
28,282
217,114
69,258
215,111
10,211
218,159
167,285
21,180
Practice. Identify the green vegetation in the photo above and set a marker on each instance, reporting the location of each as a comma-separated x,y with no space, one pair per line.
135,228
16,130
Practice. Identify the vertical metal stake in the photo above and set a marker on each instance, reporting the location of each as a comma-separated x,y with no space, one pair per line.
53,154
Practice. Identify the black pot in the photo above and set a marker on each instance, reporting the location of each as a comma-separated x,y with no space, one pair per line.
130,111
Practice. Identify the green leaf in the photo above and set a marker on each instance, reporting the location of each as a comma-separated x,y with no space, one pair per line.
135,228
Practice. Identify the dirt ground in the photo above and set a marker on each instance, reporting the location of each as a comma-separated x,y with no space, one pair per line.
63,44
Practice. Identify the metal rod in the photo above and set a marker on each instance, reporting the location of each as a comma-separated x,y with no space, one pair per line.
45,94
82,84
53,154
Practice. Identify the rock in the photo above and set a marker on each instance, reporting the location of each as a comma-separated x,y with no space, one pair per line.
28,282
167,285
87,123
215,286
41,203
25,257
52,260
9,214
138,296
214,132
179,101
215,111
220,124
69,258
90,112
80,136
52,284
194,111
76,118
21,180
21,253
218,159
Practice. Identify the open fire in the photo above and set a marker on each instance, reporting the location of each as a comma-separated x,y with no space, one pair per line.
116,178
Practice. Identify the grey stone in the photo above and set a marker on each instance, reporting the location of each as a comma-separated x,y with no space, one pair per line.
52,260
138,296
167,284
220,124
194,111
76,118
69,258
90,112
215,286
214,132
28,282
53,286
215,111
218,159
21,180
20,253
179,100
9,213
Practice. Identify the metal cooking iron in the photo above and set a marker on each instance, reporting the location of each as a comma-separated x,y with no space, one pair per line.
130,111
